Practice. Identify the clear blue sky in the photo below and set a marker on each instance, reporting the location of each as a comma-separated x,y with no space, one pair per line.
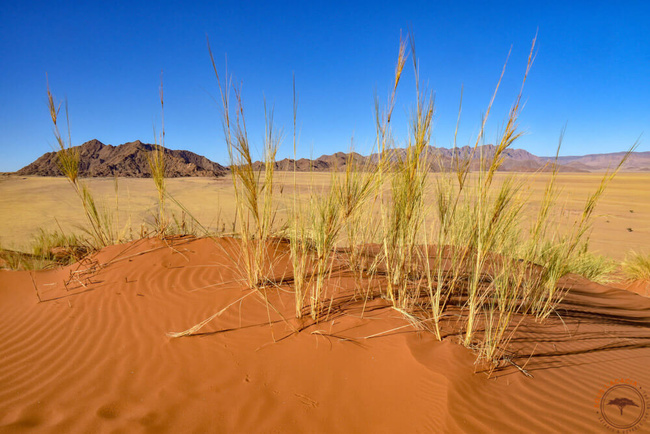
592,70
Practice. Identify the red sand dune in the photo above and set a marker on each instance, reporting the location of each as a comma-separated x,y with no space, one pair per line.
95,357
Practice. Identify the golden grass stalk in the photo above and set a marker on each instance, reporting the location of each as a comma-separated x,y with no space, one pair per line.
404,213
197,327
299,242
68,159
383,117
157,166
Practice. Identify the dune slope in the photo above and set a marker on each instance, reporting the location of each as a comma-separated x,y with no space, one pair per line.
94,355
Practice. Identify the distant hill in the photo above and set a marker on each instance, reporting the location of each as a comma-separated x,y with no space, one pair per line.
514,160
127,160
638,161
324,163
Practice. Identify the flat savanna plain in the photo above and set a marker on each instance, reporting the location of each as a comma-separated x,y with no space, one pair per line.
28,204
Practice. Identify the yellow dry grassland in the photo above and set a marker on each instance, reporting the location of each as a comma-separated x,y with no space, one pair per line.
27,204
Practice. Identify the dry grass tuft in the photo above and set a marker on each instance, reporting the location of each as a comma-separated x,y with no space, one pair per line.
637,266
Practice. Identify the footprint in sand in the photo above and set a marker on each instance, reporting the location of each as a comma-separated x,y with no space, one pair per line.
307,400
108,411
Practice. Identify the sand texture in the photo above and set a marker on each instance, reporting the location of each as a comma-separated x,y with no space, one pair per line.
94,355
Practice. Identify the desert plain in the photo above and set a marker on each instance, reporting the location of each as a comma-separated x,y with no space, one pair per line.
30,203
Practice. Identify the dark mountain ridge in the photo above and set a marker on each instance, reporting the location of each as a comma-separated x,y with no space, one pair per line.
127,160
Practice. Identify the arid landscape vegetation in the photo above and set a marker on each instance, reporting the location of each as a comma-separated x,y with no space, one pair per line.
477,288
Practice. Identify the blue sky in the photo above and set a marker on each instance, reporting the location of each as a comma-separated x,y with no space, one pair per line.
592,71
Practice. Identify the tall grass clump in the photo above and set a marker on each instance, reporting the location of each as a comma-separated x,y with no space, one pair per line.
254,188
405,212
475,233
445,269
397,169
596,268
101,228
477,250
315,231
156,161
458,245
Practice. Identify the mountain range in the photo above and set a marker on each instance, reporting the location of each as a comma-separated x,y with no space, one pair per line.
515,160
130,160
